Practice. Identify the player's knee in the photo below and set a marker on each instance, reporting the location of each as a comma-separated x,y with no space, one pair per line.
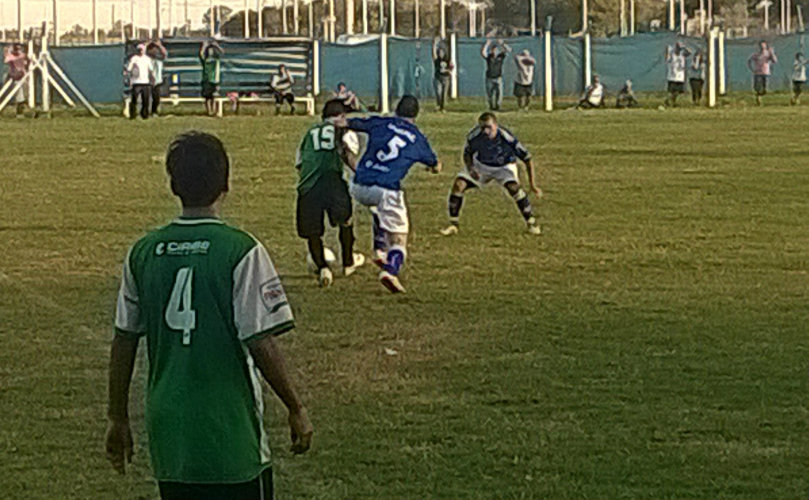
514,190
459,186
397,239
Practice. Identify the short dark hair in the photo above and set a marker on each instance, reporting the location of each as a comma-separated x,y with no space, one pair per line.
333,107
408,107
198,167
487,116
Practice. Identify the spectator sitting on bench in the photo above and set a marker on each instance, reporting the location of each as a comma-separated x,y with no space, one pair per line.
349,98
626,97
593,95
281,88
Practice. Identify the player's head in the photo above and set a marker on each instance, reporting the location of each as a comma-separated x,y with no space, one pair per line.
628,84
762,45
488,123
142,48
408,107
333,109
596,79
198,168
16,48
281,69
341,87
798,56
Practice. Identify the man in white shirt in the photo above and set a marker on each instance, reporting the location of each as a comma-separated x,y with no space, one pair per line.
141,78
524,81
675,71
593,95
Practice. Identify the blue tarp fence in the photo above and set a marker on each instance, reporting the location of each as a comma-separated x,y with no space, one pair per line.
97,70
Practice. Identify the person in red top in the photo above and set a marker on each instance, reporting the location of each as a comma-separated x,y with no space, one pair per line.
759,64
18,62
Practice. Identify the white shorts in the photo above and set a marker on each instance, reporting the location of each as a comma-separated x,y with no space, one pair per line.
389,203
503,175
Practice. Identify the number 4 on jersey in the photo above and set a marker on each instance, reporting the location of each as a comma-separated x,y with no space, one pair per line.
179,315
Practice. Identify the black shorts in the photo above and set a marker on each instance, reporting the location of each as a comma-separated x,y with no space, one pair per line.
280,98
676,87
797,86
208,90
328,195
760,84
523,90
260,488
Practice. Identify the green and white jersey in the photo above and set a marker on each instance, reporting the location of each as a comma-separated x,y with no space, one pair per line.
318,156
198,289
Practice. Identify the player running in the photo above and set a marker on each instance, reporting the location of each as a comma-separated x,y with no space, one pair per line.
490,154
321,188
394,145
208,300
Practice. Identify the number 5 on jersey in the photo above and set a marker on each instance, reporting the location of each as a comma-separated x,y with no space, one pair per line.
179,315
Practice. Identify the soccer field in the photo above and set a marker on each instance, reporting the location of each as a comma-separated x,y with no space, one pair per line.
650,344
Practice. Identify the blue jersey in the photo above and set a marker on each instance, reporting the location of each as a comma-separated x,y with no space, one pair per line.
394,145
503,150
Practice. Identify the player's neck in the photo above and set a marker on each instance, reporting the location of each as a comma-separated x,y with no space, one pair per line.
211,211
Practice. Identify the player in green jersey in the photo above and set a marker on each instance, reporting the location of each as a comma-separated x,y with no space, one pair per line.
209,55
321,188
208,300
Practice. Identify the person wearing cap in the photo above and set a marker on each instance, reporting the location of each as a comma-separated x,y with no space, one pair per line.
141,78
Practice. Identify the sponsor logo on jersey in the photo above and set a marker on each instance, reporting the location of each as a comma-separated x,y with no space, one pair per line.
181,248
272,294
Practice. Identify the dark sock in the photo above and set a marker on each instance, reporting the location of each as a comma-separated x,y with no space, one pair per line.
347,245
524,205
316,251
454,206
396,258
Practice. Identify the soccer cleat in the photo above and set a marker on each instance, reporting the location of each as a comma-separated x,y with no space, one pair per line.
534,229
359,260
450,230
326,278
391,282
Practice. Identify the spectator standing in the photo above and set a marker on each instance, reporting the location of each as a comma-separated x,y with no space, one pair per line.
524,82
158,53
626,97
759,64
675,71
698,70
281,87
494,56
798,77
209,56
18,62
442,72
141,79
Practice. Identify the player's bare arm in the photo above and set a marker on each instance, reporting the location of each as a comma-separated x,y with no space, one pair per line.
272,365
529,168
119,436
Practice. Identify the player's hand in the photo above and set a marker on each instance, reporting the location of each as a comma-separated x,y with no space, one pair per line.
436,168
300,431
536,191
119,445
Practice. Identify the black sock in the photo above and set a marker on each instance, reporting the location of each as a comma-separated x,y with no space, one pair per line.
524,204
316,251
347,245
454,207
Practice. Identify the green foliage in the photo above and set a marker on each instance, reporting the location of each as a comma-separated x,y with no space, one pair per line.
650,344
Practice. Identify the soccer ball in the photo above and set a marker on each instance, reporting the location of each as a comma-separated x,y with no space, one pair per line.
330,260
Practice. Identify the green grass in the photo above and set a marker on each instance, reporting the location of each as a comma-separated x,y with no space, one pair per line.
650,344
